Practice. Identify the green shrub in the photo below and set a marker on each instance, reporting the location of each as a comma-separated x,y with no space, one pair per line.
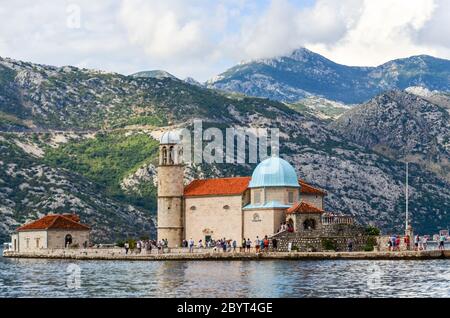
329,245
370,244
373,231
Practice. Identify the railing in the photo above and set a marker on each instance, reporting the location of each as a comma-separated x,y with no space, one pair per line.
337,219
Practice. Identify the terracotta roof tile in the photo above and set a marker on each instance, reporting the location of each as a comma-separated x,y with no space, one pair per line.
210,187
54,222
304,207
309,189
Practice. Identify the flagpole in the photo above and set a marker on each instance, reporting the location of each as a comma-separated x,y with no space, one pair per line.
407,195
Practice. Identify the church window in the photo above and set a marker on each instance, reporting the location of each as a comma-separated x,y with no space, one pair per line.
290,197
37,242
257,196
256,218
164,154
193,208
226,207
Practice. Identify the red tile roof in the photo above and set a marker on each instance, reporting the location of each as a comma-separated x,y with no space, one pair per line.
210,187
309,189
55,222
304,207
234,186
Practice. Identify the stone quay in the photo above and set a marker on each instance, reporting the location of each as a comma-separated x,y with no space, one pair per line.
117,254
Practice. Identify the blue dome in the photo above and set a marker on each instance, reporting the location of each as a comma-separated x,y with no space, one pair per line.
274,172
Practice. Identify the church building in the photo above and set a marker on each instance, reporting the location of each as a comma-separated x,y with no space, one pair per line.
233,208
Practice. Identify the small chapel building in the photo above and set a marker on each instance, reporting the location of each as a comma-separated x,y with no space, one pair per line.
53,231
234,208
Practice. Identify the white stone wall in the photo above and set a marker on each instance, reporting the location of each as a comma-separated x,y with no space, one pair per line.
218,217
30,241
262,222
275,194
15,242
56,238
314,200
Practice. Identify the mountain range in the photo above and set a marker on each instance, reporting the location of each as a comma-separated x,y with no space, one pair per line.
304,73
86,141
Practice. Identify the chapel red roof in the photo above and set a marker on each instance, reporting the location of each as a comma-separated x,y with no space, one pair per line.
306,188
55,222
303,207
210,187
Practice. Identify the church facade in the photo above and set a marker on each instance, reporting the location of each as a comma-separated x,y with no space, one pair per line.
233,208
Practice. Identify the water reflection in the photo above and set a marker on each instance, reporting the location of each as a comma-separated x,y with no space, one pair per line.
48,278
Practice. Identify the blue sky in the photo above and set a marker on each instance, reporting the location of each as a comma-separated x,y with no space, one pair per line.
202,38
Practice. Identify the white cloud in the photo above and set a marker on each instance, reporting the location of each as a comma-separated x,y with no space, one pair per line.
285,27
384,30
201,38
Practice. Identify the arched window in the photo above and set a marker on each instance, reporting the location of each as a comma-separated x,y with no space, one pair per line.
171,155
164,156
291,226
309,224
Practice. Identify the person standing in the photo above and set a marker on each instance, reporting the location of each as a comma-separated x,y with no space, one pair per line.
442,242
244,245
191,245
416,242
266,244
139,247
248,245
407,242
257,244
274,244
397,243
425,243
393,242
234,246
127,248
350,245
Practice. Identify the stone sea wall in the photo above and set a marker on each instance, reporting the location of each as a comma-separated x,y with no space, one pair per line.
334,237
208,255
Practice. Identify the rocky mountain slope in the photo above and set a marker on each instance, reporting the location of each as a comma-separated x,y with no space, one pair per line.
402,126
304,73
29,189
158,74
320,107
113,120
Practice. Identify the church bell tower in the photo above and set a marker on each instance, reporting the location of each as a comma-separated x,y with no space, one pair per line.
170,189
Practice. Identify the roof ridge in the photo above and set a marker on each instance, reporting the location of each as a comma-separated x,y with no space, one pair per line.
222,178
70,220
56,216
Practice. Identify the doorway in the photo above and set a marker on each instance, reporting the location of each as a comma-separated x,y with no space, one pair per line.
68,240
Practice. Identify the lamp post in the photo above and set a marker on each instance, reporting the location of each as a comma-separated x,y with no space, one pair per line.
407,196
408,227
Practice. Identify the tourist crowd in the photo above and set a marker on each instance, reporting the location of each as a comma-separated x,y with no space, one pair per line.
222,245
230,245
419,243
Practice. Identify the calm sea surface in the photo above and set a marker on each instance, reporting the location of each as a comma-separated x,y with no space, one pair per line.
51,278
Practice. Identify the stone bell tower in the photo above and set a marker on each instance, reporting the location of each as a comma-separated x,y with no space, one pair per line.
171,189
